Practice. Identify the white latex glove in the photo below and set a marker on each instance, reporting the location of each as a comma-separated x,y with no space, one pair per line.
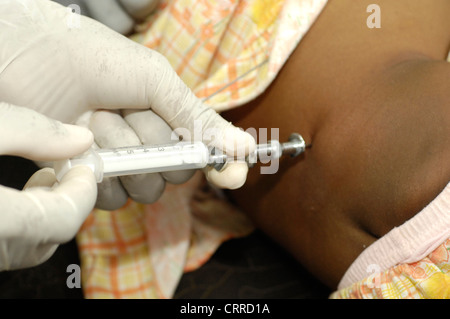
119,15
62,70
34,221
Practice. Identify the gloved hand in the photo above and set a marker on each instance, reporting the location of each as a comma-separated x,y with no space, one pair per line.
119,15
130,128
34,221
64,71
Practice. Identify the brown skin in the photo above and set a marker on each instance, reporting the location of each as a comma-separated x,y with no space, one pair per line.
375,105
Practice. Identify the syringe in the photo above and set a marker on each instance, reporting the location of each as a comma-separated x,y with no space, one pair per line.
170,157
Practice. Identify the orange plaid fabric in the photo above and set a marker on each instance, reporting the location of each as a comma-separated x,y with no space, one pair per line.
428,278
114,255
141,251
227,52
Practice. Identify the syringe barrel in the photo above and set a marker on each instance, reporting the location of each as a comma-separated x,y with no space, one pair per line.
139,160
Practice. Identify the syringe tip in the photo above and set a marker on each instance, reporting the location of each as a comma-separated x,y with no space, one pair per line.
295,146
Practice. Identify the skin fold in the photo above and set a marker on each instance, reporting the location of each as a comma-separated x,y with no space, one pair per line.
375,105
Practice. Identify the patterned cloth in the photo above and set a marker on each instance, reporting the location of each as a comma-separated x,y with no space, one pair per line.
428,278
227,52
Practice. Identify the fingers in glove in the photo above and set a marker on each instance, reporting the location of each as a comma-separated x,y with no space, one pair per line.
153,130
144,188
18,253
80,3
42,253
233,176
29,134
233,142
111,194
111,14
139,9
42,178
148,81
111,131
43,215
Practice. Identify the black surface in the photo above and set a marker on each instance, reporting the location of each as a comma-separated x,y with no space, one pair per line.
250,267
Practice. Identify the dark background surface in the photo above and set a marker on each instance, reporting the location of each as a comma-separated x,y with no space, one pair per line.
246,268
